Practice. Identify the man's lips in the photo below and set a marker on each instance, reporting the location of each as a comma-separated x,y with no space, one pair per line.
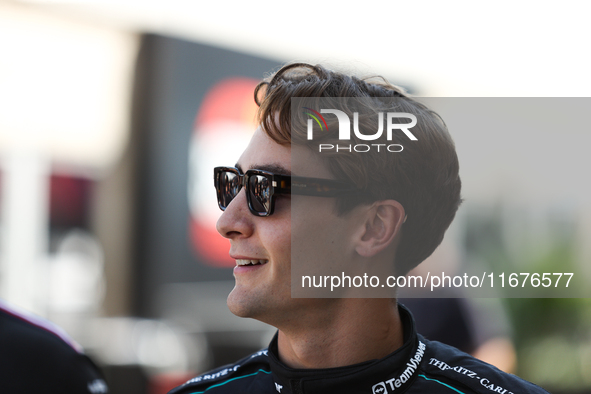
247,262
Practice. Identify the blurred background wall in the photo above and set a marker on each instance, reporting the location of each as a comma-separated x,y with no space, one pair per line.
112,115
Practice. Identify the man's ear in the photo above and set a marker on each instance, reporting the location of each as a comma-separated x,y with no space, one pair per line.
383,222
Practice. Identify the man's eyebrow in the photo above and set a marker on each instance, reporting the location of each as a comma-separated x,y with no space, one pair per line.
274,168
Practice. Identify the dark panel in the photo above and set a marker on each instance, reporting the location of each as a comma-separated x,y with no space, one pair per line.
171,80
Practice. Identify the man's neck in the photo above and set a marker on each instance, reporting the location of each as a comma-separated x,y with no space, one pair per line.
359,330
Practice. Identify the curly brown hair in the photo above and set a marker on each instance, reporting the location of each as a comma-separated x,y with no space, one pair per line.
424,179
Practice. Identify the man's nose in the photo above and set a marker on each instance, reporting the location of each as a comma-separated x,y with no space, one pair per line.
236,220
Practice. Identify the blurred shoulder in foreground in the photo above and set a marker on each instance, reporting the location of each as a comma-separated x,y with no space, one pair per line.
38,356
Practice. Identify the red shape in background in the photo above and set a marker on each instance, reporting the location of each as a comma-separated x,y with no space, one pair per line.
69,199
211,245
231,99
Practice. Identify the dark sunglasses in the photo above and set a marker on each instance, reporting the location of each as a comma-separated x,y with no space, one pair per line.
262,186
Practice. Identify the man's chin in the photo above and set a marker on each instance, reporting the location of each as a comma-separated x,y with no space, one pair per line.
240,304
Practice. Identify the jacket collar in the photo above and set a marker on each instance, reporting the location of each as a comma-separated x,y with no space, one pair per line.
394,372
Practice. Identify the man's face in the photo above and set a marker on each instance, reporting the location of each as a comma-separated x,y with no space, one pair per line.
263,291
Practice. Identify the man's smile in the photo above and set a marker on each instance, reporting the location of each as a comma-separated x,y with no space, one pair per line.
246,262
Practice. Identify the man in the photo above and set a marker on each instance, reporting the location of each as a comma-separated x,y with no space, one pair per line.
382,210
36,356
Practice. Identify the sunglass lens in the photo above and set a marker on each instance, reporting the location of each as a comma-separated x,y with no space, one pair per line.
228,188
260,193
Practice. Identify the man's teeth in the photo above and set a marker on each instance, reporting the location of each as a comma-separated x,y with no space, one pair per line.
251,262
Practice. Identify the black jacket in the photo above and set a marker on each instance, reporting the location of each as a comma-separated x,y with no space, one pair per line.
36,356
419,366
